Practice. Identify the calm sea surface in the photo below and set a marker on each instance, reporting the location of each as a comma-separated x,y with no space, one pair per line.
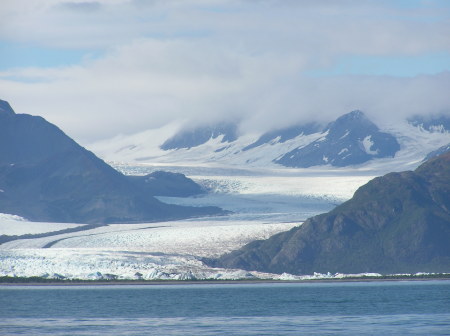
368,308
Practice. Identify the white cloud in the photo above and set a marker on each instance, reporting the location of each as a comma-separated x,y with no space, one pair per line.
201,60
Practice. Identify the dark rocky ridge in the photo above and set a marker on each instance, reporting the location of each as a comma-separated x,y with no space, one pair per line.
397,223
161,183
46,176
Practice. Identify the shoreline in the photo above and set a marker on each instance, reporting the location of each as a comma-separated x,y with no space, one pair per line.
24,282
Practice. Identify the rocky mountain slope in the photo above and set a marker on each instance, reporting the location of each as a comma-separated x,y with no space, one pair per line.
396,223
46,176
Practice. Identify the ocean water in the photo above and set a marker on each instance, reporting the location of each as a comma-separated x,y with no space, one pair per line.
357,308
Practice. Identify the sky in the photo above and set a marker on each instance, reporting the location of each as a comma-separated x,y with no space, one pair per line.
99,69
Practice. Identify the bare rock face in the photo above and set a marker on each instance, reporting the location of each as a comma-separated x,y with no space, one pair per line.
396,223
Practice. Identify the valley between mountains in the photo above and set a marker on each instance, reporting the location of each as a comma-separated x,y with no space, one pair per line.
211,203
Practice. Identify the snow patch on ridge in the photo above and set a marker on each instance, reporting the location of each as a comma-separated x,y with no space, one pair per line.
367,144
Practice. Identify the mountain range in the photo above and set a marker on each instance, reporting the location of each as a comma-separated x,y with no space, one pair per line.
397,223
350,140
46,176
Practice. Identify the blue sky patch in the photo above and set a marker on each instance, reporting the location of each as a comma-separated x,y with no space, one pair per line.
401,66
15,55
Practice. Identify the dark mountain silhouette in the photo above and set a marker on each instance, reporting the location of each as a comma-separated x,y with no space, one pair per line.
397,223
351,139
46,176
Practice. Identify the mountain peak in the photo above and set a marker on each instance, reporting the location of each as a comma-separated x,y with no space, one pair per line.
350,139
352,119
356,114
5,108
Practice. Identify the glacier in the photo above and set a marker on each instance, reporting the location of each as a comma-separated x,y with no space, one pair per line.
263,203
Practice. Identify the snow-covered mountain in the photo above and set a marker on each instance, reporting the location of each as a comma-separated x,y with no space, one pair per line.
352,140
